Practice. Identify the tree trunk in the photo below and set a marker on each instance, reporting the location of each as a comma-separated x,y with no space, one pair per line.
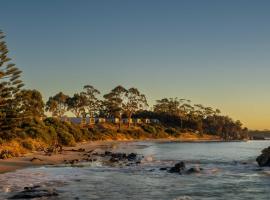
129,119
119,124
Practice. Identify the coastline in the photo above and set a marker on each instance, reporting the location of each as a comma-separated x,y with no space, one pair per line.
38,158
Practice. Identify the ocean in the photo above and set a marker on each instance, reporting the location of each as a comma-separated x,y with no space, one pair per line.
229,172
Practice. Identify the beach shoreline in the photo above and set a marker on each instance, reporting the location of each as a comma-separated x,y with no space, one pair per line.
39,158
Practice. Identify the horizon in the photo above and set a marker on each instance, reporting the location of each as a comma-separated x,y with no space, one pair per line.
212,53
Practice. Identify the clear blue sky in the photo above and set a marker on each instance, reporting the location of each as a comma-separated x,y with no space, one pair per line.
213,52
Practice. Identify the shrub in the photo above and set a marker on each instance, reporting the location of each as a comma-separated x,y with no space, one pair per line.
149,129
171,131
66,138
27,145
5,154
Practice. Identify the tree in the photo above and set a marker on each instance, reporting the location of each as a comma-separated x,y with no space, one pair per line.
30,103
77,104
92,102
133,102
57,104
175,107
10,85
114,102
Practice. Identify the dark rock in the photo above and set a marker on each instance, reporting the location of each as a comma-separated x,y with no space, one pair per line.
35,192
258,169
35,159
132,156
163,168
81,150
193,170
119,156
108,153
113,159
263,160
72,162
138,162
77,150
91,151
178,168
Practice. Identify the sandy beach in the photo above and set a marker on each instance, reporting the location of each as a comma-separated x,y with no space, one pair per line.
39,158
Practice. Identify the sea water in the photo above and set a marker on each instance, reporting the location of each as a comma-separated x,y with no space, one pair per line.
229,172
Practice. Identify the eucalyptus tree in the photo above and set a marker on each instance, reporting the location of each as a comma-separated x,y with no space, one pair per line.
133,101
10,85
167,105
113,101
92,102
77,104
162,106
174,106
57,105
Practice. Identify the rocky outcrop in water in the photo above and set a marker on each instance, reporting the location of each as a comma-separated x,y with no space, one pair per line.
195,170
131,158
178,168
109,158
263,160
35,192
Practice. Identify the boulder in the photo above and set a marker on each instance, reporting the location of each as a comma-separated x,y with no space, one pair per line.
163,168
194,170
178,168
263,160
34,159
35,192
119,156
132,156
108,153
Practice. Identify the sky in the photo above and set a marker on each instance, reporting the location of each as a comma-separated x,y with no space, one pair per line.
216,53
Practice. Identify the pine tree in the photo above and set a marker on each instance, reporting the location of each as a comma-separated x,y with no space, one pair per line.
10,85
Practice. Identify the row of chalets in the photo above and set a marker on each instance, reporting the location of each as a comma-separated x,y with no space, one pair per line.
97,120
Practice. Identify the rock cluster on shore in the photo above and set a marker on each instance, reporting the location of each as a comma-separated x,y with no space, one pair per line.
108,158
263,160
35,192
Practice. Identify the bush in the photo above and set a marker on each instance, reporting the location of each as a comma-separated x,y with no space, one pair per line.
5,154
28,145
135,134
171,131
149,129
67,133
65,138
